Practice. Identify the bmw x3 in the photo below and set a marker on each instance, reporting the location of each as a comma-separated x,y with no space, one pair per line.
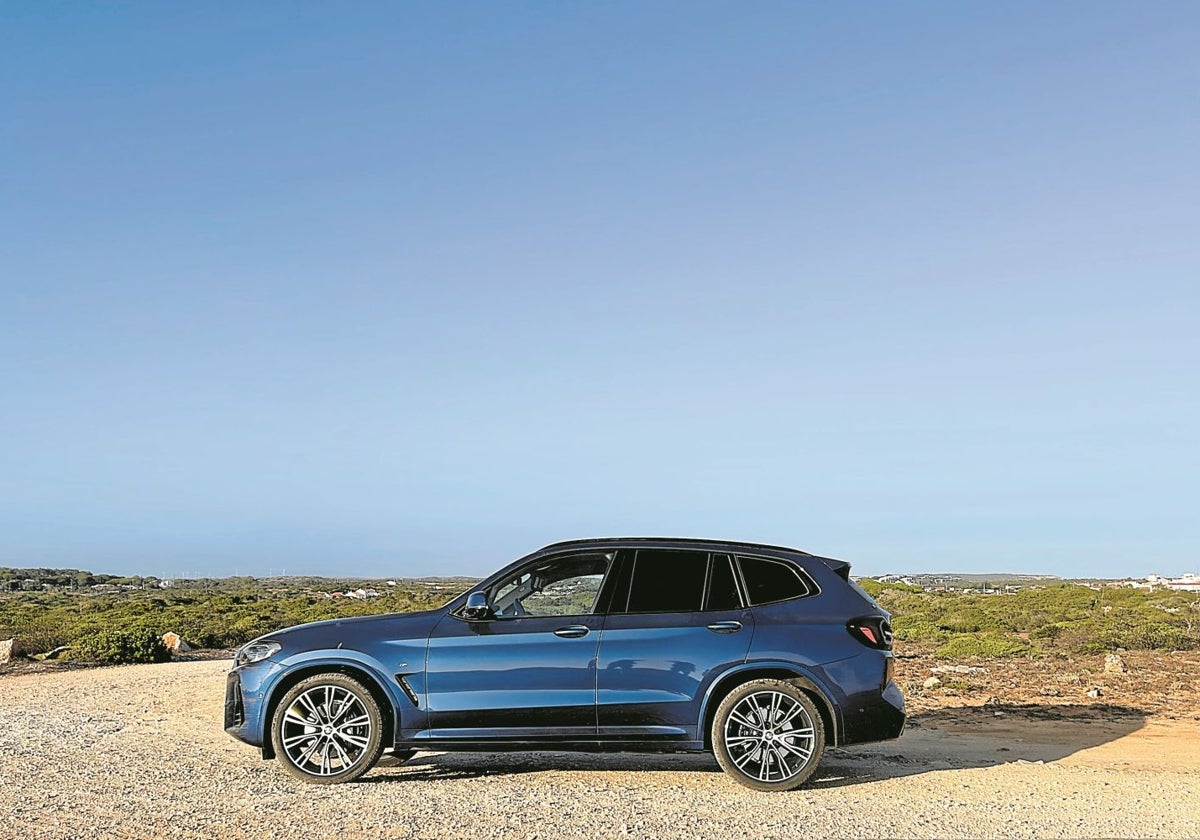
761,655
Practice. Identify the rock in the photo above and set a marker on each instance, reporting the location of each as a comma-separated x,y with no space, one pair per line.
1069,679
932,682
6,650
1051,691
175,643
1114,664
1095,692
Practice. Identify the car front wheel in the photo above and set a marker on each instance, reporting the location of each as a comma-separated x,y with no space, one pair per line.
327,729
768,735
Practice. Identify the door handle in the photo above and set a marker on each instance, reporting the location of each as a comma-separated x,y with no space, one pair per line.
574,631
725,626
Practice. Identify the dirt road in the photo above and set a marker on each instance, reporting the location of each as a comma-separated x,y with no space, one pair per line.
137,752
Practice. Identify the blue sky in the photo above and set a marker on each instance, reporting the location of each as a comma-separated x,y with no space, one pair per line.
401,289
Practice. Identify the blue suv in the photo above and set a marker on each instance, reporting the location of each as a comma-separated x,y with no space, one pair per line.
760,654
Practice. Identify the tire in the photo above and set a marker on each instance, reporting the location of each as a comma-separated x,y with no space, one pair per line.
327,729
768,735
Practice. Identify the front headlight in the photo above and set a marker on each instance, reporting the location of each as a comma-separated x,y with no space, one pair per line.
255,652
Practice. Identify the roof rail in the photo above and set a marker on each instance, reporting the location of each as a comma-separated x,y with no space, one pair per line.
696,540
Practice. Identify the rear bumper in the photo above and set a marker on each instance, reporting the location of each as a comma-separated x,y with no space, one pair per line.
878,716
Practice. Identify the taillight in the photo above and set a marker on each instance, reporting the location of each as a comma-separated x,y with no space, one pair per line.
874,631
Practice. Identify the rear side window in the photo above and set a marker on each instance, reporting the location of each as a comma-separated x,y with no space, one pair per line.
667,581
768,581
722,588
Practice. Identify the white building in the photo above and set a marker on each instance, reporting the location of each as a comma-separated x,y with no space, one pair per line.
1184,583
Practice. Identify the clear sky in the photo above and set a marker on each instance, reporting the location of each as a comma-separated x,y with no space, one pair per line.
414,288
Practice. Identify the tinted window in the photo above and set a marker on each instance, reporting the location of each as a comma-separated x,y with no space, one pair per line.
722,590
771,580
667,581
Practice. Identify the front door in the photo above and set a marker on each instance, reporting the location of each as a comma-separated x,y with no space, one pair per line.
528,672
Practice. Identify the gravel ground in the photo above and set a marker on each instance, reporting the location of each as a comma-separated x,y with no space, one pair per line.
138,752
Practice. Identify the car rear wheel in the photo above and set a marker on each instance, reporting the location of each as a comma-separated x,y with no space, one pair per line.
768,735
327,729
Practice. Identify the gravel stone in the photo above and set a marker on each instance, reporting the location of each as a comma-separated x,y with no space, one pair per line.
138,752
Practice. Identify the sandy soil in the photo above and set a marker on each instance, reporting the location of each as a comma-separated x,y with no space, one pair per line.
136,752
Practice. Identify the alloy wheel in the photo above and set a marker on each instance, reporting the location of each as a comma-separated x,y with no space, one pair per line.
326,730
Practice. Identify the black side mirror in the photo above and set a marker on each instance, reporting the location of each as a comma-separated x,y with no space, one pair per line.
477,607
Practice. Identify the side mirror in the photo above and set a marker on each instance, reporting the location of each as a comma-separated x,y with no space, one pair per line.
477,607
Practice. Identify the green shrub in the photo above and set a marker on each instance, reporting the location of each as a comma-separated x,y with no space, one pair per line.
1151,635
961,621
919,630
124,647
982,645
38,636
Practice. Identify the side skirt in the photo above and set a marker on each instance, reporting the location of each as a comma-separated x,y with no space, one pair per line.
597,746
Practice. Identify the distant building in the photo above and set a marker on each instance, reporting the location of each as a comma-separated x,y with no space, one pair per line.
1185,583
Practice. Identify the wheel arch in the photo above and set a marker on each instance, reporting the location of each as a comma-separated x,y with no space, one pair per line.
387,706
721,688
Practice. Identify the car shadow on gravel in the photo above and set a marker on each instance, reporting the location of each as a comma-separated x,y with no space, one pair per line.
972,737
466,765
947,739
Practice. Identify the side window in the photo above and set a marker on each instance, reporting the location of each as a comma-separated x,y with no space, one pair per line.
566,585
722,589
768,581
667,581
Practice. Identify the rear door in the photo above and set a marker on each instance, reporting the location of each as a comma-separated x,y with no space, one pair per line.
676,622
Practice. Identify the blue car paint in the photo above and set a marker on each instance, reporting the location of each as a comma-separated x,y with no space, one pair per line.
654,670
483,677
377,647
628,682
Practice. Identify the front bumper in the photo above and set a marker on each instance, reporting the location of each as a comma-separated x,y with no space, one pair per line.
235,706
245,700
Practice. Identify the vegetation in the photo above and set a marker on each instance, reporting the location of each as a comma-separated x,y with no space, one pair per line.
109,621
1061,618
114,647
104,618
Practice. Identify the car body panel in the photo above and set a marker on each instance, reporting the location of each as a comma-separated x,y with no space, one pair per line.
655,668
511,678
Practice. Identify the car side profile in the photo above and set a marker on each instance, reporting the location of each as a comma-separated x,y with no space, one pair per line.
760,654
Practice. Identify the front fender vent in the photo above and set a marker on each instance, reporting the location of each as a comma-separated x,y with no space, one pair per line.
408,691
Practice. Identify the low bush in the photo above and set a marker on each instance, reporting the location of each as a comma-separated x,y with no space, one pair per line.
982,645
123,647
